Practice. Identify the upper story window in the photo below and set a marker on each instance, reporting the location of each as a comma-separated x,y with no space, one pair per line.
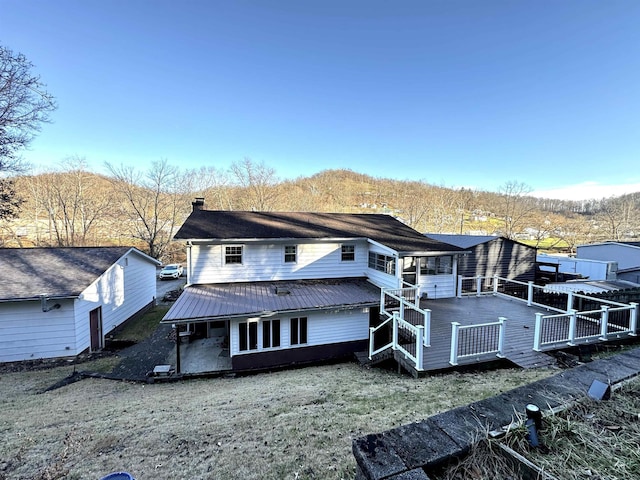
382,263
233,254
290,253
348,253
436,265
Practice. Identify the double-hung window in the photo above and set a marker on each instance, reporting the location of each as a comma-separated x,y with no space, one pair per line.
348,253
290,253
232,254
298,331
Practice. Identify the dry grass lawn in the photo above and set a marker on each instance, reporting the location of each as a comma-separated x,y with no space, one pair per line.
295,424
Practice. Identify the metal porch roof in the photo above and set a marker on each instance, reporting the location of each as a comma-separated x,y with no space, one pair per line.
210,302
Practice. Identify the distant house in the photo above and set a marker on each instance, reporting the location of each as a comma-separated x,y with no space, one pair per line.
281,288
60,302
625,254
491,255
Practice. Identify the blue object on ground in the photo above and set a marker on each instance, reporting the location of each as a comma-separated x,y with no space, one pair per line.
118,476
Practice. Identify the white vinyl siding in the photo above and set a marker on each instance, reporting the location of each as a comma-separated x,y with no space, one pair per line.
28,333
265,261
121,292
322,329
627,256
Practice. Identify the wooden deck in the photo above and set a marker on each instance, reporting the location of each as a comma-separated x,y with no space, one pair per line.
519,330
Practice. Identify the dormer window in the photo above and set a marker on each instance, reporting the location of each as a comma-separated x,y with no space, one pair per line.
233,254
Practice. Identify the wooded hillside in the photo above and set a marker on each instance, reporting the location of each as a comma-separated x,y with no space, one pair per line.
74,207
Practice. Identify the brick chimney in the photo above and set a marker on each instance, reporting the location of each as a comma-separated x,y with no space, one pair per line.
198,204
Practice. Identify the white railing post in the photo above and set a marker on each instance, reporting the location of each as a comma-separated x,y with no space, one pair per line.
530,294
382,309
569,302
495,285
427,328
604,321
419,347
633,321
395,331
501,336
453,358
478,285
416,301
459,286
537,335
402,308
371,343
573,315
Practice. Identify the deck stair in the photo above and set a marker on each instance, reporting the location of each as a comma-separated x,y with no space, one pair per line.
363,357
530,359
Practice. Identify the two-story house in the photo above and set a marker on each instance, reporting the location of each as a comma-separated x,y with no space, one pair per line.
291,288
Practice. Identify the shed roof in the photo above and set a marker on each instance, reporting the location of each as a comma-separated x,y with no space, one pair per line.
57,272
240,225
469,241
208,302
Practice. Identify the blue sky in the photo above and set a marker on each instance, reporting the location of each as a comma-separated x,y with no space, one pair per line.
457,93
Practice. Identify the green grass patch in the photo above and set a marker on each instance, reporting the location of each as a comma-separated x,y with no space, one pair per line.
142,327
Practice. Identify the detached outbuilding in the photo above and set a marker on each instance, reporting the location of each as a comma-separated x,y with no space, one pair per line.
60,302
492,255
625,254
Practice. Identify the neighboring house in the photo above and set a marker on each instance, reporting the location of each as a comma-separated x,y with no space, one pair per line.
563,266
285,288
60,302
491,255
625,254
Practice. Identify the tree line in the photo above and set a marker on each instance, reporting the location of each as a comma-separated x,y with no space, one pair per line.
71,206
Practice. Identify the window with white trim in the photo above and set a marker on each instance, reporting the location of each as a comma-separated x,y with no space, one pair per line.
436,265
233,254
270,333
348,253
298,331
247,336
382,263
290,253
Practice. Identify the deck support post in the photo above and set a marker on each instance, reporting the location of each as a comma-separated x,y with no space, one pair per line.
604,321
419,347
427,328
176,329
569,302
537,334
478,285
530,294
495,285
371,343
453,358
573,315
459,286
395,331
501,336
633,321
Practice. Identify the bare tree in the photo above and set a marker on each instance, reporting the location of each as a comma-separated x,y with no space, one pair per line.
210,183
258,183
24,106
516,207
152,203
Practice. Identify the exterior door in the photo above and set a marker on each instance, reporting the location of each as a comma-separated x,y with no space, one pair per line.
95,328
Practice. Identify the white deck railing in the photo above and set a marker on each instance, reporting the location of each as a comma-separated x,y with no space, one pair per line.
406,337
471,343
570,326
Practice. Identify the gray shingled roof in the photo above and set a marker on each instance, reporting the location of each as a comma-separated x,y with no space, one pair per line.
58,272
205,302
234,225
462,241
